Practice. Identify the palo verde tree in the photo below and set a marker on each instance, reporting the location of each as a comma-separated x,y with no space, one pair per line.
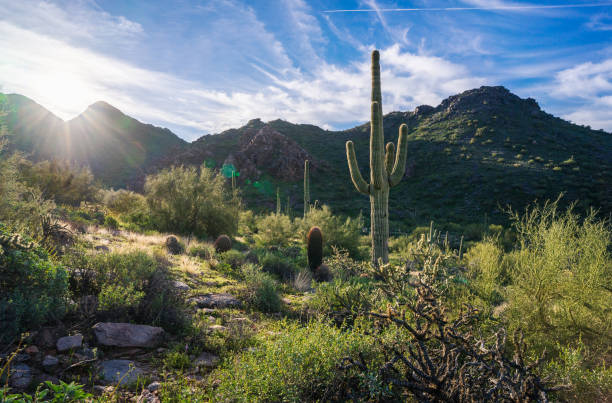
386,169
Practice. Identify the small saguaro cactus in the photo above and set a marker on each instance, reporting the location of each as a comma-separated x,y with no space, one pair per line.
315,248
386,169
306,187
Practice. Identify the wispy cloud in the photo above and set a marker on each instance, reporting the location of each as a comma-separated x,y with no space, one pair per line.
600,22
486,6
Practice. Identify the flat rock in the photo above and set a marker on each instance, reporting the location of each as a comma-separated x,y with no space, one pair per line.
21,376
179,285
217,301
206,360
119,372
217,328
127,335
69,342
50,361
154,386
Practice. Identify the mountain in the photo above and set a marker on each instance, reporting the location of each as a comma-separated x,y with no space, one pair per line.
468,158
115,146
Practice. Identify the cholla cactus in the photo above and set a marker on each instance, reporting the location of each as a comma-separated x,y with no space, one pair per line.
386,169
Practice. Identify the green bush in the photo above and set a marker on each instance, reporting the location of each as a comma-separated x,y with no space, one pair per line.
342,300
124,201
201,250
133,285
233,258
343,233
280,266
561,278
63,182
274,230
486,270
298,364
111,222
262,289
33,290
187,201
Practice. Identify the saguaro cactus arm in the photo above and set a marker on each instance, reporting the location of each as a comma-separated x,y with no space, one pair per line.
389,158
360,184
395,176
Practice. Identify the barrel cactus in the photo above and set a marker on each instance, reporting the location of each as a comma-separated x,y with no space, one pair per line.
223,243
386,169
315,248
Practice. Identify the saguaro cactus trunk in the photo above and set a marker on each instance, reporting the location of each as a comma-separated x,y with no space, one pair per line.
386,169
306,187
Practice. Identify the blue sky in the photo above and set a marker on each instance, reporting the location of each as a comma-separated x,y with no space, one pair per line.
200,67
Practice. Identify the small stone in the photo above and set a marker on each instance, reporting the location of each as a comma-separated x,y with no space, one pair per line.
101,248
69,342
21,376
32,350
147,396
217,328
206,360
207,310
50,361
161,350
217,301
154,386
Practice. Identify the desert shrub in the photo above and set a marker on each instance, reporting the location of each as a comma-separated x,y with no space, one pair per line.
344,267
343,233
303,280
274,229
123,201
233,258
174,246
33,289
248,223
177,359
119,298
486,270
277,265
262,289
561,277
344,300
201,250
111,276
188,201
62,181
300,363
111,222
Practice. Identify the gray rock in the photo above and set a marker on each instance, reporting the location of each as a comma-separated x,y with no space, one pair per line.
21,376
206,360
179,285
147,397
119,372
154,386
217,301
101,248
217,328
69,342
47,336
127,335
50,361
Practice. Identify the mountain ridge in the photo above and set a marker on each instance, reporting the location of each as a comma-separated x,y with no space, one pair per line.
469,155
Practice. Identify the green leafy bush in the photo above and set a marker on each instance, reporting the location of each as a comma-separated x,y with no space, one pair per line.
201,250
63,182
118,298
487,273
124,201
561,278
189,201
262,289
298,364
33,289
277,265
274,229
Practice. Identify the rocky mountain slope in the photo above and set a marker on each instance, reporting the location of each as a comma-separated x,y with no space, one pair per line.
469,157
117,147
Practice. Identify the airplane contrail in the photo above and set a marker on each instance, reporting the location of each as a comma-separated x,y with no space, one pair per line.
527,7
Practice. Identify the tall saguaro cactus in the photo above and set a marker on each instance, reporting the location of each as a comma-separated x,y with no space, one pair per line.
386,169
306,187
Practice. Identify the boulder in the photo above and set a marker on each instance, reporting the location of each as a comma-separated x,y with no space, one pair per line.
217,301
119,372
127,335
179,285
69,342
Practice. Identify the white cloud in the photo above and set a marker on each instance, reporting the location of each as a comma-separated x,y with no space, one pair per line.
49,67
591,83
600,22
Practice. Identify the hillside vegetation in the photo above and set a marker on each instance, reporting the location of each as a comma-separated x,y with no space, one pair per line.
211,284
